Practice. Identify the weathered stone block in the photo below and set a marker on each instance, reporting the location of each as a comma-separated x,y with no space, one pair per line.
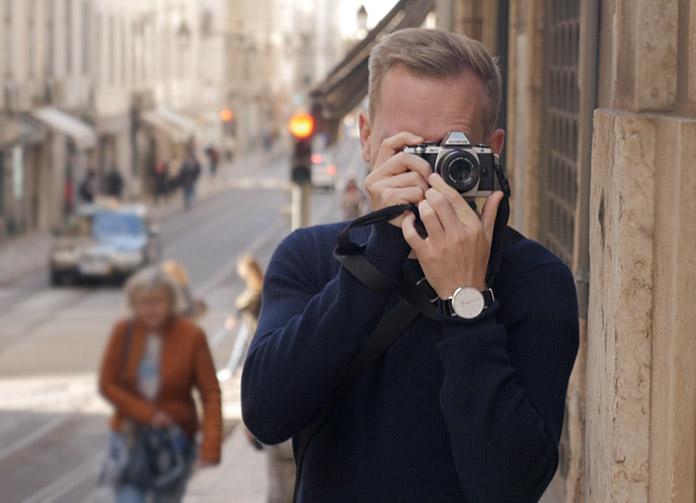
645,52
620,312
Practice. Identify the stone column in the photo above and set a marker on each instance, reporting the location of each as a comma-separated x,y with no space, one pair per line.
641,376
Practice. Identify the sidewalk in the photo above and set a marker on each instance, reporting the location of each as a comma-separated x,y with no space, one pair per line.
29,253
240,478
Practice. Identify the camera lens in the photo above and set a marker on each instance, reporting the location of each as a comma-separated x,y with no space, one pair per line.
460,169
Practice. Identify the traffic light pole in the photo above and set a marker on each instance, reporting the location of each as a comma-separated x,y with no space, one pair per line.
301,193
301,127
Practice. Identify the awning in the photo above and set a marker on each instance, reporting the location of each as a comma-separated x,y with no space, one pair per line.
345,87
155,120
179,120
82,134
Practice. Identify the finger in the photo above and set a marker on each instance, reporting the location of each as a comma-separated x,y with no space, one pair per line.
490,212
394,144
466,215
434,225
455,198
402,162
408,229
444,210
400,195
409,179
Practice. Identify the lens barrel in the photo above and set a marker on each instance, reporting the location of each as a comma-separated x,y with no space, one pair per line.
460,169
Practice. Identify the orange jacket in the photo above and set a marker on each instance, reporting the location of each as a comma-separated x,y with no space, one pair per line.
185,362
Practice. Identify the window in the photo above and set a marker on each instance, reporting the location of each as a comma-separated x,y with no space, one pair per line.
124,53
9,53
86,25
68,37
98,44
558,187
31,37
49,59
111,57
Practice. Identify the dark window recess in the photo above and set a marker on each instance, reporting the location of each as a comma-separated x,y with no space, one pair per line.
559,168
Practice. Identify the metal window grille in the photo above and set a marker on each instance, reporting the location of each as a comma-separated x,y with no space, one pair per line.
558,184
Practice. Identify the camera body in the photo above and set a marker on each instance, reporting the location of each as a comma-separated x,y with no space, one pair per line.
470,169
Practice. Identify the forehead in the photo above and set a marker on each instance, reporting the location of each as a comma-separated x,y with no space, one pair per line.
429,106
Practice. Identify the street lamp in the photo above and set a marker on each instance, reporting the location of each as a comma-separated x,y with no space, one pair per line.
362,19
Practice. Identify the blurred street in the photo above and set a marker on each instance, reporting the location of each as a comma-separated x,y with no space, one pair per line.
53,425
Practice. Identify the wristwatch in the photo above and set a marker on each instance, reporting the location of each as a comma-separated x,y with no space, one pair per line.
468,302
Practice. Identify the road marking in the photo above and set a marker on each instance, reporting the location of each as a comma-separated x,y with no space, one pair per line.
253,247
34,436
67,482
259,183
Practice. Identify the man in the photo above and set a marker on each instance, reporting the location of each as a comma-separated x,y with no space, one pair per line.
188,176
114,183
465,408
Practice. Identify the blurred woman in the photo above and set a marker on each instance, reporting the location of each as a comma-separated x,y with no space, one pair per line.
279,458
190,308
248,305
152,362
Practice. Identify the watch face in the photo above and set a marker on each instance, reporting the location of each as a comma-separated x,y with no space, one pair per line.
468,302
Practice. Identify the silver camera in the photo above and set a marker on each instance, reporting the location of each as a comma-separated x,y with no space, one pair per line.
470,169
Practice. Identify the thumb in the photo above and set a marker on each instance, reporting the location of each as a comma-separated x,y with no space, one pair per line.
489,213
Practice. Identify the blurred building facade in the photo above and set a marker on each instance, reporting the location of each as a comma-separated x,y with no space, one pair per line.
276,51
100,85
600,116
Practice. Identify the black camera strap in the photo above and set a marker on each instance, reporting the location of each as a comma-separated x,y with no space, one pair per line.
418,297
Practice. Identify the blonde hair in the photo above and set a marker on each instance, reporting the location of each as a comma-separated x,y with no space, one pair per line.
251,271
440,54
150,279
176,271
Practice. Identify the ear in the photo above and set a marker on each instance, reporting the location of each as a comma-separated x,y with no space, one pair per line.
365,132
496,140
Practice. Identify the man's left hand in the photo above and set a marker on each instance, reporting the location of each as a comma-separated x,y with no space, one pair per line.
455,252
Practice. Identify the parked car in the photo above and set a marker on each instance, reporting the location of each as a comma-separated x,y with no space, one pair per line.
323,172
104,241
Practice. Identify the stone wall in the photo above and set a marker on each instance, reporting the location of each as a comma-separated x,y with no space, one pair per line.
641,405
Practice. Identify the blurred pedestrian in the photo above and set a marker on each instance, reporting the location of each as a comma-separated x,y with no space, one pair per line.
87,189
248,306
279,458
188,177
151,364
190,308
114,183
353,203
161,175
213,159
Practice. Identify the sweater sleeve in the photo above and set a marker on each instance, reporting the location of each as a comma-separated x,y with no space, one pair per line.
209,387
111,385
309,332
503,395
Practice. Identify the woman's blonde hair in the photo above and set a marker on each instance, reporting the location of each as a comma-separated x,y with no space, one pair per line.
439,54
176,271
251,272
150,279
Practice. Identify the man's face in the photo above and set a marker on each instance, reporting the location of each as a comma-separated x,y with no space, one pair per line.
427,107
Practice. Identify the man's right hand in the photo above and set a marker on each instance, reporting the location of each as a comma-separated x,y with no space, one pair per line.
161,419
397,177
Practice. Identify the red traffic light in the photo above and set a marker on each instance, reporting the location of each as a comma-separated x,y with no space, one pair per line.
301,125
226,115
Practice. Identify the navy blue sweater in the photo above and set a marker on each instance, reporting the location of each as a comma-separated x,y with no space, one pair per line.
455,411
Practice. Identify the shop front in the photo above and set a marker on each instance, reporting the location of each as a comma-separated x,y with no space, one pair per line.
71,145
22,154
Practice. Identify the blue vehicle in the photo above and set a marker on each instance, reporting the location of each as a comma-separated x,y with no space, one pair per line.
104,242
